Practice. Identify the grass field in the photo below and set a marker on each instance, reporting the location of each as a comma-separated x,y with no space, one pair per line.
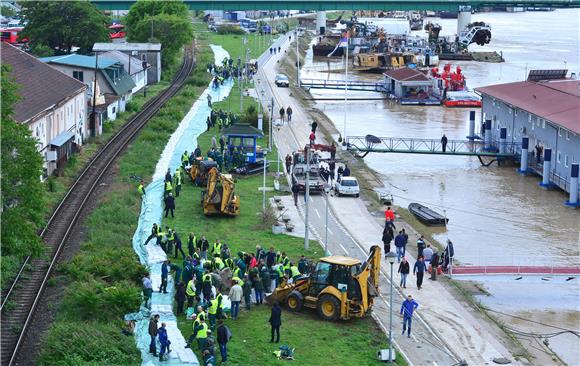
317,342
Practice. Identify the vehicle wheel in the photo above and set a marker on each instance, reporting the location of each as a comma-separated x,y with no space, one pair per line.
328,307
295,301
338,194
356,195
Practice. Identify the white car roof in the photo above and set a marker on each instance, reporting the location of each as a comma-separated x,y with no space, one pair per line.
348,178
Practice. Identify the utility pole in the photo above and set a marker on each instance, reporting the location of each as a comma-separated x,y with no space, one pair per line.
271,125
297,59
307,198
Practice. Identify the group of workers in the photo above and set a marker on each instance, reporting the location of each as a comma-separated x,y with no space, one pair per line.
200,284
228,70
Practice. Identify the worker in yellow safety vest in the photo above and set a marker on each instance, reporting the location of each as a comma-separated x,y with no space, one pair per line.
212,311
177,180
230,263
280,274
216,248
201,334
141,188
168,188
218,263
190,292
294,271
220,300
184,159
285,263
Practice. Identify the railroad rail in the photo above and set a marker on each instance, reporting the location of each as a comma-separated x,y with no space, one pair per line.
26,290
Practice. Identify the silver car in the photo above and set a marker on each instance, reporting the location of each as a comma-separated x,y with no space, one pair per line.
281,80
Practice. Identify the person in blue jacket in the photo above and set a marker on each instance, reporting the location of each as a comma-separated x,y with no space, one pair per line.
164,341
407,308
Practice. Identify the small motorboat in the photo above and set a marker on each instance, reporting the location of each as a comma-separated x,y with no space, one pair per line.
426,215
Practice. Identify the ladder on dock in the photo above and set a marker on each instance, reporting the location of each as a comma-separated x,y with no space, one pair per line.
367,144
370,86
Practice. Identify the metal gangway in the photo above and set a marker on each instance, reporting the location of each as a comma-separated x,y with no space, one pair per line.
495,149
371,86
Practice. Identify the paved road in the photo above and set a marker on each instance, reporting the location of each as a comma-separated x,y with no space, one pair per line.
424,347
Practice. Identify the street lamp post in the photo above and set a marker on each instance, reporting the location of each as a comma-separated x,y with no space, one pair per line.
327,192
264,184
307,199
391,258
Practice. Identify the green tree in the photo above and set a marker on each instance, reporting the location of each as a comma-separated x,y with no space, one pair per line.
21,189
7,11
166,22
62,25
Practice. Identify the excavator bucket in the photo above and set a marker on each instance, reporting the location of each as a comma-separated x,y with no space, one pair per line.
280,293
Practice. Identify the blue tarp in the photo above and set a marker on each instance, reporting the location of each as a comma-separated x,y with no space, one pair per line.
152,255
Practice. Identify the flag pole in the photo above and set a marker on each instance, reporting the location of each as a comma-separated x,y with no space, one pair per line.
345,87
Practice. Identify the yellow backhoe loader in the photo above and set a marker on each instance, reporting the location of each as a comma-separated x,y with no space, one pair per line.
339,288
199,170
219,197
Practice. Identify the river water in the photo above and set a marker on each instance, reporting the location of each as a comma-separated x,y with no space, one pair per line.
495,215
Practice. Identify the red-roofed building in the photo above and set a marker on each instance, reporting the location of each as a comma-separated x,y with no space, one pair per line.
411,86
548,112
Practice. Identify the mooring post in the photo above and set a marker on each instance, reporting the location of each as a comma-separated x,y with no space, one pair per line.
524,158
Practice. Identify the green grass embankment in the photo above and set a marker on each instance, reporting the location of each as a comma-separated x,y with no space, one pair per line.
103,280
317,342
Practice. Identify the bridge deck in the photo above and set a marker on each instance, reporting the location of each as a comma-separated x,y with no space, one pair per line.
515,270
318,5
368,144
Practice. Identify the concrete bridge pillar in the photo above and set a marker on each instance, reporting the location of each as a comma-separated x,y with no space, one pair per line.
487,137
547,164
502,140
471,135
574,186
321,22
463,19
524,157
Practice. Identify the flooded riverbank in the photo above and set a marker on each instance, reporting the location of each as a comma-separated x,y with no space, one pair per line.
494,213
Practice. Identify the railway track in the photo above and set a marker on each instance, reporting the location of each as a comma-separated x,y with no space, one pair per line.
27,288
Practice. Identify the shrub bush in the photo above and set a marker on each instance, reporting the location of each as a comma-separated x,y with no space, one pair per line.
230,29
90,343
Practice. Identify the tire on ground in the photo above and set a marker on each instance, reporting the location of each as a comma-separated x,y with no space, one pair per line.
328,307
295,301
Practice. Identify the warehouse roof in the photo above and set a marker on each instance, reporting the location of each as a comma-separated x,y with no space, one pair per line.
557,101
406,74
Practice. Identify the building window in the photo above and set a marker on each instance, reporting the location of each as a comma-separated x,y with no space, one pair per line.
559,157
515,112
567,135
114,109
79,75
529,118
510,111
560,132
543,123
566,160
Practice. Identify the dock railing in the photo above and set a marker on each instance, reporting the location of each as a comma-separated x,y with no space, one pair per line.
430,146
353,85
